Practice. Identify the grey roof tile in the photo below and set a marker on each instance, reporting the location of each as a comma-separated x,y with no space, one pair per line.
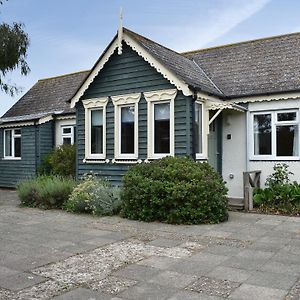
48,96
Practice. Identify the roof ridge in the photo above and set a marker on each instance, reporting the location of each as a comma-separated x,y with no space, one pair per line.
239,43
64,75
208,78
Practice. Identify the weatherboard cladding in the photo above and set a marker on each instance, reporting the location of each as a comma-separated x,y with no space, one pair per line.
12,171
123,74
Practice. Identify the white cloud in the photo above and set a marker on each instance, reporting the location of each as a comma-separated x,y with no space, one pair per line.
218,21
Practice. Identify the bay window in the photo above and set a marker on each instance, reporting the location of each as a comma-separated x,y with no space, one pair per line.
275,135
12,143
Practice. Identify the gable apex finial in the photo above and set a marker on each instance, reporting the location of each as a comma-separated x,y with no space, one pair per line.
120,31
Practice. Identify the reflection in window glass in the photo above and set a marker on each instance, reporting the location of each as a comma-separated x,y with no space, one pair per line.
162,128
127,130
262,134
96,131
287,116
8,143
198,127
287,140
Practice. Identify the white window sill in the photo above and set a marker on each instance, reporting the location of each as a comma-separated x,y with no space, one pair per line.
200,157
159,156
11,158
276,158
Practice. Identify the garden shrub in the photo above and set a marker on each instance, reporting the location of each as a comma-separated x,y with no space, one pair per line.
174,190
94,195
280,195
61,161
45,191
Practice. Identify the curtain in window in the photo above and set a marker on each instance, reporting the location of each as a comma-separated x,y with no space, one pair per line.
8,143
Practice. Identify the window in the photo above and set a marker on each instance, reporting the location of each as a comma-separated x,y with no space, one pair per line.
67,134
95,128
198,129
275,135
161,121
96,138
127,129
161,128
126,125
12,143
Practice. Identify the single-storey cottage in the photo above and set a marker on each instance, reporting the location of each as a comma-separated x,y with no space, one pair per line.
236,106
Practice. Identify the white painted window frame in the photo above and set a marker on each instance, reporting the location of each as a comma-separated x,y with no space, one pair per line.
202,155
89,105
274,123
157,97
125,101
67,135
13,136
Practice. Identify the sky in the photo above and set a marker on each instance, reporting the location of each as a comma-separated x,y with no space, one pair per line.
69,35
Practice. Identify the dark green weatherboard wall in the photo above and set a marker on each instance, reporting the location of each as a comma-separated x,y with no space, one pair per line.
124,74
36,141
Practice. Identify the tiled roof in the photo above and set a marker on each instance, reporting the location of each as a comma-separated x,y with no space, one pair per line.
48,96
262,66
186,69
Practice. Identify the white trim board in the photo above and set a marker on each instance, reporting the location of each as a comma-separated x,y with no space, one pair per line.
160,68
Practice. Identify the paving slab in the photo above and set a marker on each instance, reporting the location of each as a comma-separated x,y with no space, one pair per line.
20,281
250,292
83,294
231,274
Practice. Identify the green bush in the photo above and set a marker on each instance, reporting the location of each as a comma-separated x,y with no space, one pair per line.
174,190
94,195
280,195
61,161
45,191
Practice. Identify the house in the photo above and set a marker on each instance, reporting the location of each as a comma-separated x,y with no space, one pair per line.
30,129
236,106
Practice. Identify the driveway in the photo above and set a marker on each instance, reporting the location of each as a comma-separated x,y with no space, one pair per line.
57,255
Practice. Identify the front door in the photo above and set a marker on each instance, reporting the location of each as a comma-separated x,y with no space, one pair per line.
215,145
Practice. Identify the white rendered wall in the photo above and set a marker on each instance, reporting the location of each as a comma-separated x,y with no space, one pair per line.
267,166
234,151
58,125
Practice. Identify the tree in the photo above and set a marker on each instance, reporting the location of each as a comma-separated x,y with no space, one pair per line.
14,43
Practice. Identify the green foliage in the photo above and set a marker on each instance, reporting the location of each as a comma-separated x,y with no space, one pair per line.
280,176
45,191
14,43
61,161
174,190
280,195
96,196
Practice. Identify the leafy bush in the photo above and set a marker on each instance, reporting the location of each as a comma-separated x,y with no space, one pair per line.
45,191
61,161
94,195
174,190
280,195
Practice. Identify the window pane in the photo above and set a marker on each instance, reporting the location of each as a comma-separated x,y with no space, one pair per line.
288,116
8,143
17,141
17,131
67,130
198,128
262,134
162,128
127,129
97,131
287,140
67,140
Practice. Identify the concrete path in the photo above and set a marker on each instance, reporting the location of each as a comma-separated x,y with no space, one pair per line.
57,255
